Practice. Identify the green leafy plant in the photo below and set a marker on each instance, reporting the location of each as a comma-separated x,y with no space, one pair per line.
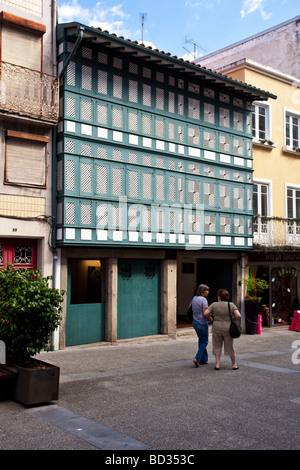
255,288
29,312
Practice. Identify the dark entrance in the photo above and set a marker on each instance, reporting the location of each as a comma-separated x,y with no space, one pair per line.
216,273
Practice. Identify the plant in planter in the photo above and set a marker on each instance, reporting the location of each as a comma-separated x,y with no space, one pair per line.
29,313
255,288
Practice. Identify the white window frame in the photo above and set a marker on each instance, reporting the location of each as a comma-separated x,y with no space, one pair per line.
294,188
267,183
293,114
268,126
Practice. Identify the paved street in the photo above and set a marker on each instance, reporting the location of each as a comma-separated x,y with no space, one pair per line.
149,396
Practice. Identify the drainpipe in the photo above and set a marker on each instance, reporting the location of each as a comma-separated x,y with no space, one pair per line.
73,51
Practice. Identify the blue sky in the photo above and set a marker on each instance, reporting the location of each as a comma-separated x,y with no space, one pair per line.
176,26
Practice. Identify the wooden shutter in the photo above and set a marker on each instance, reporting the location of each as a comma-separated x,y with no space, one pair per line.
26,159
21,46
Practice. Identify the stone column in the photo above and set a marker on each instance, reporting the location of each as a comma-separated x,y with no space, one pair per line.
111,300
169,297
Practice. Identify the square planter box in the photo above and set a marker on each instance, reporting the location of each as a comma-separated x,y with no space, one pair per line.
36,384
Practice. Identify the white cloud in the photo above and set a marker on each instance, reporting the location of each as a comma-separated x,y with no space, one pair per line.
249,6
108,18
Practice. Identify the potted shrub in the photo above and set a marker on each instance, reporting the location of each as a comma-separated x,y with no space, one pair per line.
29,313
255,288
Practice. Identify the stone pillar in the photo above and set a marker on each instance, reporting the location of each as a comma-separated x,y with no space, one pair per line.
111,300
169,297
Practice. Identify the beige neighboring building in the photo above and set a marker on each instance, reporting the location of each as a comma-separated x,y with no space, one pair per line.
277,47
270,60
28,114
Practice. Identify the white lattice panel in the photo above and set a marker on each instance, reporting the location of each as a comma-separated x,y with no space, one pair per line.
239,225
133,183
70,175
117,117
86,110
102,179
210,223
86,78
147,121
133,91
224,196
238,198
146,95
224,117
117,86
225,223
101,113
117,185
147,185
71,74
86,213
102,82
70,106
70,213
86,177
209,194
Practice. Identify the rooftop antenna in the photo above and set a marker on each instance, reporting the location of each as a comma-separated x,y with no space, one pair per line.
189,40
143,17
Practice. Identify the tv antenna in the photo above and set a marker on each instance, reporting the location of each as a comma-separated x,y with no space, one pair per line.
143,17
189,40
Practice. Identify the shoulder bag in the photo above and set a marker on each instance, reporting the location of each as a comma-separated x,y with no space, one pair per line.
234,329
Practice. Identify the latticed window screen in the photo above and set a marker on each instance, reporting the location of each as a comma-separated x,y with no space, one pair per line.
194,108
102,216
225,224
224,196
102,82
210,223
117,181
180,105
146,95
86,78
70,106
133,177
209,139
70,213
147,185
133,121
102,114
209,113
238,123
194,136
71,74
171,102
102,179
238,198
133,91
209,194
160,187
86,214
224,143
86,177
117,86
160,99
239,225
238,146
70,175
147,120
117,117
194,191
86,110
224,117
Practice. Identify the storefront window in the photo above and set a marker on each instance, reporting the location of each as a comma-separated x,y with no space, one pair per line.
284,291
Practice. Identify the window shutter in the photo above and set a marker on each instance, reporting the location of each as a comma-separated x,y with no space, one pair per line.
26,162
21,47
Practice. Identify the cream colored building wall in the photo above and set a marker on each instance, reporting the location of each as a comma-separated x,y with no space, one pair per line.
273,163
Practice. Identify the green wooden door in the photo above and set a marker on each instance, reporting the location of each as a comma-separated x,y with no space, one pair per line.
85,322
138,298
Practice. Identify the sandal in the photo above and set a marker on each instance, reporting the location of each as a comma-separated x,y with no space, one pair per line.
196,362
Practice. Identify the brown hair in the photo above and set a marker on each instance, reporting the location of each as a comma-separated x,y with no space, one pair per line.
223,294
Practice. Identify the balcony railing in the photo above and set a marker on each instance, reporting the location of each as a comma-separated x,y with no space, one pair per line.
28,92
276,231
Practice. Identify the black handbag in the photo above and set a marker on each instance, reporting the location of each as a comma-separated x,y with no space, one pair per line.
189,314
234,329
